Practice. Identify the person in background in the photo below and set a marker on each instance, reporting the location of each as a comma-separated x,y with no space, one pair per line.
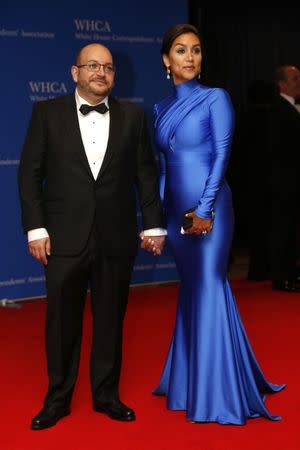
284,180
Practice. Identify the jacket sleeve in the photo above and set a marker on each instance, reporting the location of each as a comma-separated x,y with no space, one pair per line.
147,180
30,176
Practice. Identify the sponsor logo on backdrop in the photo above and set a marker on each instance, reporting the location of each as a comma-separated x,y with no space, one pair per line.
43,90
101,30
24,280
143,267
87,25
132,99
9,162
39,279
21,33
169,265
89,29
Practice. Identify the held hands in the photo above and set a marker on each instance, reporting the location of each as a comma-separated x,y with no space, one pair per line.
154,244
40,249
200,226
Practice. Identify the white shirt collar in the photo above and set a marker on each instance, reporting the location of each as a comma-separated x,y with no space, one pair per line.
80,100
290,99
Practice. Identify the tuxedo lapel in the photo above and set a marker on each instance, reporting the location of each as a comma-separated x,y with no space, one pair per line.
74,135
287,106
115,125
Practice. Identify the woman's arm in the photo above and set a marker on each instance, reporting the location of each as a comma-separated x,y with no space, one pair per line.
221,128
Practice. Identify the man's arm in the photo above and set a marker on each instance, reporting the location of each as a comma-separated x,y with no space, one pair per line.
148,188
147,181
30,187
31,172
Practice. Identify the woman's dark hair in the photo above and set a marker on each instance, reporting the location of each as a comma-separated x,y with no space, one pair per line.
173,33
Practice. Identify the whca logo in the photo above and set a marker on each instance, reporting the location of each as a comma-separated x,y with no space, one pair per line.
47,87
88,25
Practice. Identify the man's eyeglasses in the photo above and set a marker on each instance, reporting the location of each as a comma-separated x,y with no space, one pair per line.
95,67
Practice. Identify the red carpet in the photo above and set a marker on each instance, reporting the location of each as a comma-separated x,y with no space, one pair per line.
271,320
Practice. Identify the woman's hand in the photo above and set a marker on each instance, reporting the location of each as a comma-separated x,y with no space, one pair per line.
200,225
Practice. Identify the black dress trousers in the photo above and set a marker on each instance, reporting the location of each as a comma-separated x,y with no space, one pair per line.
67,280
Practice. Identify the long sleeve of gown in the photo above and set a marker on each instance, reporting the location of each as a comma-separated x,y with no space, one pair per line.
162,175
162,162
221,127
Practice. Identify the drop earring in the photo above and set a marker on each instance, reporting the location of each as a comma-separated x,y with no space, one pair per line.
199,76
168,73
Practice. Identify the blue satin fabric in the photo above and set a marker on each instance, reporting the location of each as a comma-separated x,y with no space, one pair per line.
210,371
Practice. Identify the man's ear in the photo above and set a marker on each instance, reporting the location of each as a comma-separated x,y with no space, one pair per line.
74,73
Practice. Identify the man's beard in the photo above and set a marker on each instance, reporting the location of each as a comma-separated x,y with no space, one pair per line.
92,88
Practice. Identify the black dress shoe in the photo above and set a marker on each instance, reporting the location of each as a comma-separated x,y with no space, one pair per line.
115,410
48,417
286,286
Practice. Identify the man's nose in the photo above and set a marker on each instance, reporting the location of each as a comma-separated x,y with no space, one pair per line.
100,71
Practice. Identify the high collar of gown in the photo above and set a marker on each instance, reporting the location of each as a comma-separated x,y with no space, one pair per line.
184,89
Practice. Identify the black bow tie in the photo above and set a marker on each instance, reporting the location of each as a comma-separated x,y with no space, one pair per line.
101,108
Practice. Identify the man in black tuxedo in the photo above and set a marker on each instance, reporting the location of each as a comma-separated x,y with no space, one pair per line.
284,180
84,157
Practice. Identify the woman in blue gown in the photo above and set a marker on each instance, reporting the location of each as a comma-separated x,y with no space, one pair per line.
211,371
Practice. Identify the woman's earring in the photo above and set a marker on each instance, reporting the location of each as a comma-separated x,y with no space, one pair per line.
199,76
168,73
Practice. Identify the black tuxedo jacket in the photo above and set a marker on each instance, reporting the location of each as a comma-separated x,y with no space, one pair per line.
57,188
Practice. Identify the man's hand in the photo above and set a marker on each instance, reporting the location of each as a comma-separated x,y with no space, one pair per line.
154,244
40,249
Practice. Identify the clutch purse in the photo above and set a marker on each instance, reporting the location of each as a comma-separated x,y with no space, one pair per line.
187,222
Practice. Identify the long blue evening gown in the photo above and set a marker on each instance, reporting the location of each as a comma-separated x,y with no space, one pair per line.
210,371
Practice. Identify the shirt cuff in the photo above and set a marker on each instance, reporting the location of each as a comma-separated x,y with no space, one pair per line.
37,233
155,232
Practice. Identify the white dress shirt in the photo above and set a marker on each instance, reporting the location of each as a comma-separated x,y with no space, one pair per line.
94,129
